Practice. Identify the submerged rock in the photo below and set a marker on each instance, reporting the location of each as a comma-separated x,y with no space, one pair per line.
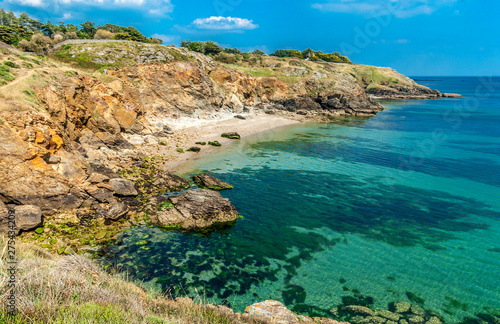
399,307
207,181
358,310
196,209
388,315
417,310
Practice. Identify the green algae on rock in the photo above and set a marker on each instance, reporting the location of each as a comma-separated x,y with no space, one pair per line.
232,135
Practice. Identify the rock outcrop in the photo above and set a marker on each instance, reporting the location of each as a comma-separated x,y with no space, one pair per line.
196,208
25,177
208,181
275,312
417,92
123,187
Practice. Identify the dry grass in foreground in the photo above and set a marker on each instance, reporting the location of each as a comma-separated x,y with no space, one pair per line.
72,289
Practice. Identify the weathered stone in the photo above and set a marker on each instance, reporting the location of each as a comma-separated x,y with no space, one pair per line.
52,159
358,310
304,104
194,149
387,314
101,194
167,181
195,209
399,307
273,311
27,217
97,177
207,181
116,210
240,117
123,187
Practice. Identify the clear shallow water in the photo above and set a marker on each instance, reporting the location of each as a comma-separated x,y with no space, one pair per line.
402,204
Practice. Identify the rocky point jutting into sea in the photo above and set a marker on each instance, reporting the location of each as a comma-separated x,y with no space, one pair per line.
87,153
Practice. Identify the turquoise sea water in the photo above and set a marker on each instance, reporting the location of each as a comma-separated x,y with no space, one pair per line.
404,205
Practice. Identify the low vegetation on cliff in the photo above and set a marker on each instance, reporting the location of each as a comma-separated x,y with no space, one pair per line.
32,35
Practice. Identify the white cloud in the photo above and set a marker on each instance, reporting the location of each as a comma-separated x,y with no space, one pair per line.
67,15
28,3
152,7
398,8
224,23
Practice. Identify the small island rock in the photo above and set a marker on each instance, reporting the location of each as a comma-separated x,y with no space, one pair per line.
451,95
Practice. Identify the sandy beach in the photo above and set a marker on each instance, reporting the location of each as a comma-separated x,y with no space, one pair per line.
207,131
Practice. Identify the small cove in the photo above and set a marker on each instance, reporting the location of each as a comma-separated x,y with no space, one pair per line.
399,206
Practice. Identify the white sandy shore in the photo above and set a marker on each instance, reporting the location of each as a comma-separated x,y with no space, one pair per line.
190,131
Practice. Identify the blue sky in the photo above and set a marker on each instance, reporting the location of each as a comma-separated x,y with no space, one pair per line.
416,37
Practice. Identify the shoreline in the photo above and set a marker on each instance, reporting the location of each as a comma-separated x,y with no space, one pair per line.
187,137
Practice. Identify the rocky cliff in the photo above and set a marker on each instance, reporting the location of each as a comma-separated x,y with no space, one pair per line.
73,125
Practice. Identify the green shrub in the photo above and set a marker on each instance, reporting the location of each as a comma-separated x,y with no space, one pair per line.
226,58
11,64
